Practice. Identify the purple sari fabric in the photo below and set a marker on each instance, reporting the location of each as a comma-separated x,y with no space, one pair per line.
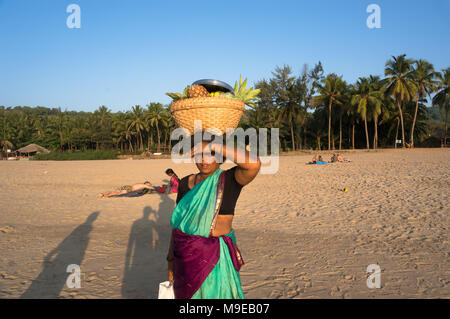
194,258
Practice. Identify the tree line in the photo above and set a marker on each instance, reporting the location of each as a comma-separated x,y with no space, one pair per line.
312,110
129,132
319,111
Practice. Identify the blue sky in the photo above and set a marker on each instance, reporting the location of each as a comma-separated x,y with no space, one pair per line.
132,52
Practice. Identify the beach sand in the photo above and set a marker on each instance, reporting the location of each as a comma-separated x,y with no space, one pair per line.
300,235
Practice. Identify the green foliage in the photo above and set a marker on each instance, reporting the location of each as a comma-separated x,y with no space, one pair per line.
180,96
308,108
442,97
248,96
74,131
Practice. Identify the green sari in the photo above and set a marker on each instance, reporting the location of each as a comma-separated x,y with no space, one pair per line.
195,215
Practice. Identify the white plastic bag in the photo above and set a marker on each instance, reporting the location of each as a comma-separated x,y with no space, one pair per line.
166,291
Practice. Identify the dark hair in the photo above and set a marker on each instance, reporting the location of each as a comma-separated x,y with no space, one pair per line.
170,171
213,137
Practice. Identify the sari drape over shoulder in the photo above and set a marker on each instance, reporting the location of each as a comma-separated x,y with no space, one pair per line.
205,267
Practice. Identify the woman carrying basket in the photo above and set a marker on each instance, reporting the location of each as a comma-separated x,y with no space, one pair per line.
203,259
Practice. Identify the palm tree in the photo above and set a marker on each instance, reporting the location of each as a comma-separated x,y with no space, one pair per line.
290,112
286,91
154,117
442,97
424,76
366,98
376,109
137,123
399,84
330,92
103,119
79,133
119,129
56,128
318,124
129,133
104,115
352,112
346,99
388,110
169,125
394,120
5,143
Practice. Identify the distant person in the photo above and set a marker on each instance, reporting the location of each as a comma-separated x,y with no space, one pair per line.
127,189
174,181
341,159
314,159
318,160
334,158
160,189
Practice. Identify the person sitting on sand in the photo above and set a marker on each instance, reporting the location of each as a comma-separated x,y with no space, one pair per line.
317,159
160,189
174,180
127,189
321,161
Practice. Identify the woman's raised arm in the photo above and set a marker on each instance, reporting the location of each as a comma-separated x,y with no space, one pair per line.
248,164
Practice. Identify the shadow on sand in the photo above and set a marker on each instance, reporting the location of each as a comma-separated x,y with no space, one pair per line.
71,250
145,259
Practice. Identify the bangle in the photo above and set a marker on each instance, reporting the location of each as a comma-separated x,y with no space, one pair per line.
169,259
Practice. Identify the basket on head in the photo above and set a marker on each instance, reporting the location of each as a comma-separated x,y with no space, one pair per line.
216,113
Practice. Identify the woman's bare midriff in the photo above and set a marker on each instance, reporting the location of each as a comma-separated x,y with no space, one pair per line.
223,225
223,222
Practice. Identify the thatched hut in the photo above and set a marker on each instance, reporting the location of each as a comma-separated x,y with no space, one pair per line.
31,150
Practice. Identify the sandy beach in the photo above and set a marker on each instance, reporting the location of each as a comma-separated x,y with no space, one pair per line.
301,236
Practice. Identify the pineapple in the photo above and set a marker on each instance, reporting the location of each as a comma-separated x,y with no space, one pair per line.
198,91
248,96
180,96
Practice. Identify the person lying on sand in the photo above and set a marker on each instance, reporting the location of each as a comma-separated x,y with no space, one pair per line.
314,159
317,159
321,161
339,159
127,189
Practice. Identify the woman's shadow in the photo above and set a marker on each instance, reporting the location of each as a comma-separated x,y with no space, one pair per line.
145,262
71,250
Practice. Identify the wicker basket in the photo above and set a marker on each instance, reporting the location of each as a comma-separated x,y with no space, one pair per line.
214,112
